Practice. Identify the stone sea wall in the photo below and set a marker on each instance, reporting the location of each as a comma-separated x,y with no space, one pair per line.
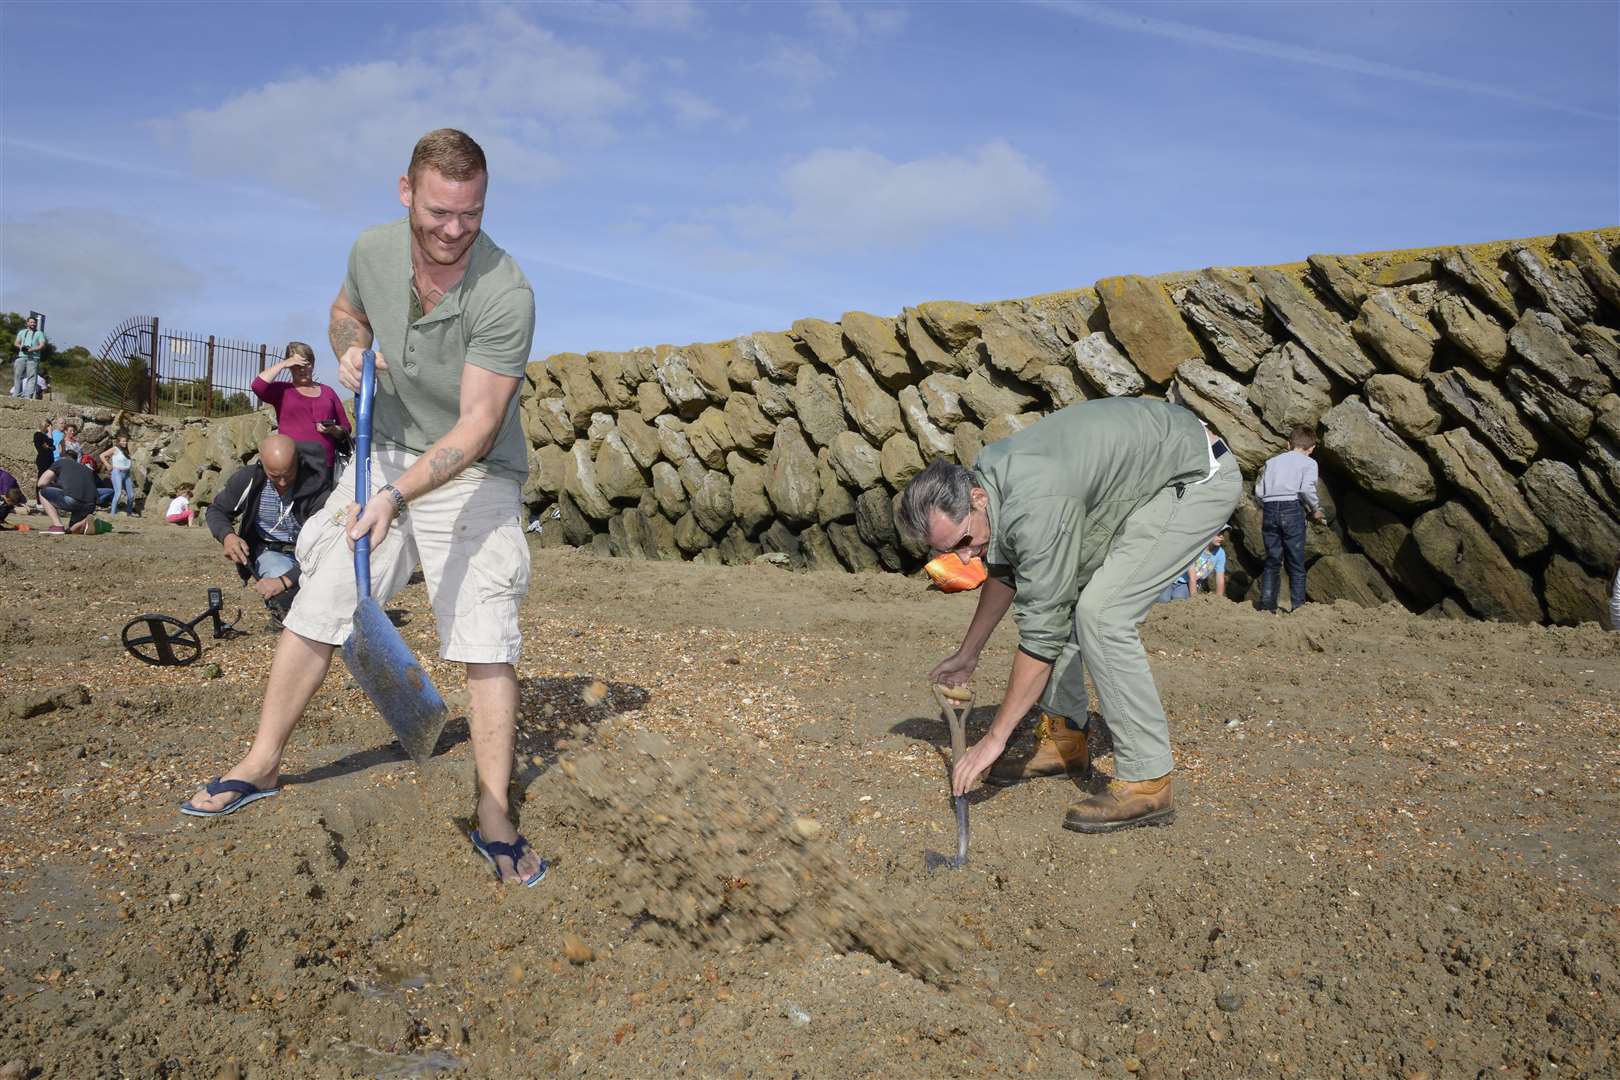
1466,400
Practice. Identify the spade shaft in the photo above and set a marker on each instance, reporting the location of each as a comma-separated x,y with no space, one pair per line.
955,702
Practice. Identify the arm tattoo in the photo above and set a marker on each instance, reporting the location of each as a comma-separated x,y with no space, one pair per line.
445,463
344,332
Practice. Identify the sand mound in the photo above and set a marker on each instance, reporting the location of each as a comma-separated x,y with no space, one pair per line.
715,859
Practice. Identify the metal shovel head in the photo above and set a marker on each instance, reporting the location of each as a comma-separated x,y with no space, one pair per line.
389,673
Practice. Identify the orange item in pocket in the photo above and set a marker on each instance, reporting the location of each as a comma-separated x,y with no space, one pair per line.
951,574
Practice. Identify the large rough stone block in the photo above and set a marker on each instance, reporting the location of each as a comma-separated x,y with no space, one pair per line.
836,503
1471,330
1321,333
877,342
899,460
1404,404
1288,389
551,422
790,475
672,441
1402,338
579,482
988,394
942,395
1603,345
690,536
874,520
867,403
681,388
1573,596
1538,339
781,540
601,424
923,346
1341,279
669,490
1457,548
1484,282
577,529
736,549
953,323
1387,540
617,475
639,436
819,406
1484,410
1473,470
1147,326
616,374
711,502
852,551
1558,286
1227,314
773,353
1011,424
817,551
710,437
969,440
548,468
580,390
775,400
1221,403
1058,382
1376,459
1560,417
855,460
1555,492
931,440
1018,343
751,430
1106,368
711,367
824,339
1347,577
650,400
750,505
1599,273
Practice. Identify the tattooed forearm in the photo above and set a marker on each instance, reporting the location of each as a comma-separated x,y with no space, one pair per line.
344,333
444,464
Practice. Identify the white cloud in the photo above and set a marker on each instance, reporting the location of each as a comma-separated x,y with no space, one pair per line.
854,22
854,199
639,14
513,85
692,110
89,269
1137,22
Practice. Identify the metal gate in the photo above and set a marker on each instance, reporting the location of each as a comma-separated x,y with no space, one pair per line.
142,367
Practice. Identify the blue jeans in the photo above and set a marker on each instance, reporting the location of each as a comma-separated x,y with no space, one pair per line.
25,376
123,486
272,564
1282,526
1176,590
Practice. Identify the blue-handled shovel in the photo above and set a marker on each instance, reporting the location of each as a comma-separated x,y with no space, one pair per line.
377,656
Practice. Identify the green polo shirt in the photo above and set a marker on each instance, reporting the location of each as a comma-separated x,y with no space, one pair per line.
487,320
1060,490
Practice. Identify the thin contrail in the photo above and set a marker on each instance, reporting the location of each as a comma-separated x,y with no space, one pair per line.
1114,18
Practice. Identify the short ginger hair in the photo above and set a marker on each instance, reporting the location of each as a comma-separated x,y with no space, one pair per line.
450,153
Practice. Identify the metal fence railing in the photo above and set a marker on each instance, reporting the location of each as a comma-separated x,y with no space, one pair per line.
144,368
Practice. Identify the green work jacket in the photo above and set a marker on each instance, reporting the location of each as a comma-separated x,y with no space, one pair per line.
1060,490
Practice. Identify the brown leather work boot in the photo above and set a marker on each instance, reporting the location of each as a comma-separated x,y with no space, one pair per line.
1123,805
1060,750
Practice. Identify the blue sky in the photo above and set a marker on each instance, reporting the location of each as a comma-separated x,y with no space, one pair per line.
677,172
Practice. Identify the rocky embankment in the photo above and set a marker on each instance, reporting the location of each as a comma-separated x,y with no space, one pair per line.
1466,398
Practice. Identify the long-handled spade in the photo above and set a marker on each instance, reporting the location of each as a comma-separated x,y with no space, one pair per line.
377,655
955,702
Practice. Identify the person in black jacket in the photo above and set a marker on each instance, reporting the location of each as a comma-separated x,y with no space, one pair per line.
258,514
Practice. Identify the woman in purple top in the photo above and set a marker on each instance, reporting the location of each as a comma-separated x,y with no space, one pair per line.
306,411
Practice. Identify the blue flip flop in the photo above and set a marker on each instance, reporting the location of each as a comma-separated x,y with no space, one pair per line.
490,849
248,792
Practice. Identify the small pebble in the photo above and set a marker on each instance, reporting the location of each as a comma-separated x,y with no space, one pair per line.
576,950
594,694
212,671
794,1013
1229,1000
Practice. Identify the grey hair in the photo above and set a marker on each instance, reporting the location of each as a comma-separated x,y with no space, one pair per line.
943,486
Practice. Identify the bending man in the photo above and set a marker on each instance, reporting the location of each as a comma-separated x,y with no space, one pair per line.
452,318
1081,520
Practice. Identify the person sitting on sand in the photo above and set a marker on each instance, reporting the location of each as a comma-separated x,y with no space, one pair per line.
1207,571
180,511
68,486
11,495
258,513
1081,519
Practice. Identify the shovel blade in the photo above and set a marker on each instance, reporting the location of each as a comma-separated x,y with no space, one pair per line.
394,680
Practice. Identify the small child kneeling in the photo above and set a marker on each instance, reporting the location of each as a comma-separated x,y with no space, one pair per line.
180,511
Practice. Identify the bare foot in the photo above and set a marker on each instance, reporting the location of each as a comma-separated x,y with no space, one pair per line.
494,823
264,781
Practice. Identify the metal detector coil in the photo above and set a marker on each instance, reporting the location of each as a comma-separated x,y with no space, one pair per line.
165,641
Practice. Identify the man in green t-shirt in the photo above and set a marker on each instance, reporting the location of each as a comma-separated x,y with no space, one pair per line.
25,374
451,318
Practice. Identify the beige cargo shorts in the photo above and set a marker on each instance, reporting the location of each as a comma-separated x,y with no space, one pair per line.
468,538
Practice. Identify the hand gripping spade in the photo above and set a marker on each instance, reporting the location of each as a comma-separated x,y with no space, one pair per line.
377,656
